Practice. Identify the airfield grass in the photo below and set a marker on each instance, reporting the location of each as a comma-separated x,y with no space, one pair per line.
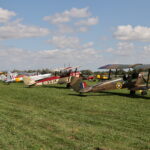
56,118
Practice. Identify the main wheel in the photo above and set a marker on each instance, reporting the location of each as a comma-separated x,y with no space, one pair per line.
132,93
68,85
143,93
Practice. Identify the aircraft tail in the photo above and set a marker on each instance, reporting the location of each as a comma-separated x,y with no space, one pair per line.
141,83
79,86
28,81
140,79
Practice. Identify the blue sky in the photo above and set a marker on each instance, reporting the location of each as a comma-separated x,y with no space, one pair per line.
39,34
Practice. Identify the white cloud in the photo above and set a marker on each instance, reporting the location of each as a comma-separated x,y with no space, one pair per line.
65,29
129,53
17,30
65,42
57,18
147,50
88,57
69,49
14,58
89,44
122,49
138,33
77,12
67,15
13,29
89,22
82,29
144,54
62,28
5,15
72,17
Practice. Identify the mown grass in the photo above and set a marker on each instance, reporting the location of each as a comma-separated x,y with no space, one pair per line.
56,118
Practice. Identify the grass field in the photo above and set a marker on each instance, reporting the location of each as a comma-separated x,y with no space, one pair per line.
55,118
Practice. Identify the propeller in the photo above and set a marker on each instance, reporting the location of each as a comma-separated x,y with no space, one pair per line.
147,83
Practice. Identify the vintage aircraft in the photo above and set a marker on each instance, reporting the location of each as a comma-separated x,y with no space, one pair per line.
9,77
133,82
64,77
14,77
19,77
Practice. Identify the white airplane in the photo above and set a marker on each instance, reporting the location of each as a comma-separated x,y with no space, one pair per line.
12,77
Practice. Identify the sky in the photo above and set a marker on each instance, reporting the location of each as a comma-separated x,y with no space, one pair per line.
38,34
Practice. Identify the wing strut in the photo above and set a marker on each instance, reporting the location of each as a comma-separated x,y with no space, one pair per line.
148,78
109,74
116,73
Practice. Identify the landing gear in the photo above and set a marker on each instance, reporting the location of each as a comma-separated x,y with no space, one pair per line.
7,83
144,93
68,85
132,93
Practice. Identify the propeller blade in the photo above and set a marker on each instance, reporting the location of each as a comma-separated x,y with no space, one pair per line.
148,78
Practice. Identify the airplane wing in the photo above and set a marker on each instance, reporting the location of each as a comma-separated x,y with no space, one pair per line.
115,66
57,69
65,68
142,67
70,68
118,66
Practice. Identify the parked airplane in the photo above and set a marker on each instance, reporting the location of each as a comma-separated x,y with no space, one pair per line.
14,77
64,77
9,77
134,82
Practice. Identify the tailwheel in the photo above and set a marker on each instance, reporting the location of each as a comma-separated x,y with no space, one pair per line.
81,94
132,93
7,83
68,85
144,93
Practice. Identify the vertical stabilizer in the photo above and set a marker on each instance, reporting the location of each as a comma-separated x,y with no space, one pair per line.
76,83
140,80
79,86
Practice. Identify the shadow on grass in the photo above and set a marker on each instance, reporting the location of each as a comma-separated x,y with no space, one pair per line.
46,86
81,95
56,87
108,93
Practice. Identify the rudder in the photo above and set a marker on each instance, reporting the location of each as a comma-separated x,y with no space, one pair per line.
77,84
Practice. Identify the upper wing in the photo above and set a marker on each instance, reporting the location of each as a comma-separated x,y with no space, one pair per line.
71,68
115,66
118,66
65,68
142,67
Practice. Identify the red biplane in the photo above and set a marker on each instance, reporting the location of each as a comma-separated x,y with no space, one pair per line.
63,77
